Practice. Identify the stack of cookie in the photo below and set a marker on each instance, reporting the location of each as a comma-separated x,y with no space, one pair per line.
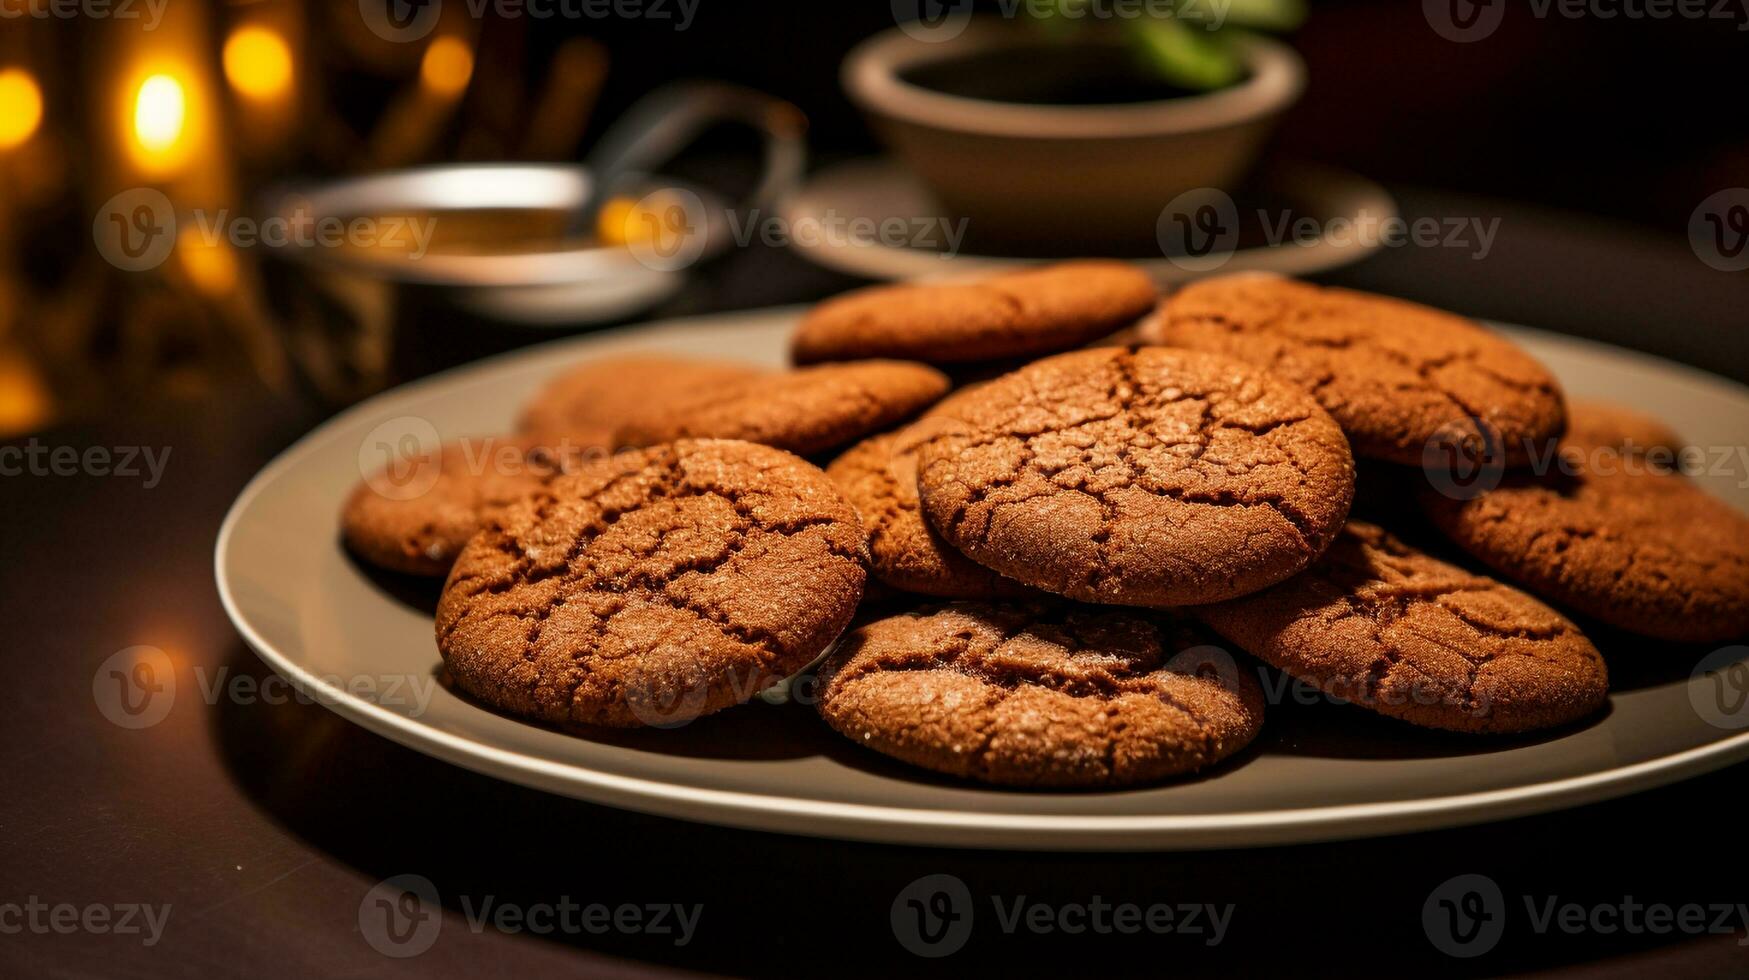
1063,549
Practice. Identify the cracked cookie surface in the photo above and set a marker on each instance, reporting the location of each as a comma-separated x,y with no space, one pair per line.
807,410
1017,314
1390,628
1394,374
654,587
1147,477
594,398
1046,694
1614,537
414,516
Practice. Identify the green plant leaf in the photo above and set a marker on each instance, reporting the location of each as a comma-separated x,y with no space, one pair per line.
1187,56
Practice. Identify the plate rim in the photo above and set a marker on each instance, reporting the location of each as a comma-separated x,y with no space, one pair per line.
886,263
911,825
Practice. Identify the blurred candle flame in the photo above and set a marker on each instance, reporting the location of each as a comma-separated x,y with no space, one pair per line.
21,107
210,265
447,66
159,119
258,63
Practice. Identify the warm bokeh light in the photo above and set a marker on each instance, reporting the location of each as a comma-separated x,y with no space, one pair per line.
447,66
160,110
258,62
210,265
21,107
25,405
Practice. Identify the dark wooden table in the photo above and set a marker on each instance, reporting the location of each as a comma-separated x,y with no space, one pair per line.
264,826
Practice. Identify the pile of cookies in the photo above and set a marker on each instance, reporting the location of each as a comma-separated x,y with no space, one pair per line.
1058,569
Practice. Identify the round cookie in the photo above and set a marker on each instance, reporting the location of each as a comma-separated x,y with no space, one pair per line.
1593,425
1046,694
1147,477
598,396
1017,314
415,517
1395,375
654,587
1382,625
879,478
1606,535
806,411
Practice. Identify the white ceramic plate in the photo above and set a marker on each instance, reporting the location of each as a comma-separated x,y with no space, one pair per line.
355,640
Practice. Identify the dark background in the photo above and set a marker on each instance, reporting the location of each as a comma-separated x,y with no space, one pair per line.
1591,140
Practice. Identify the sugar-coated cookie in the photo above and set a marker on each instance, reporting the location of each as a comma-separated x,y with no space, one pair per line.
879,478
654,587
1147,477
1395,375
1047,694
807,410
1606,534
594,398
1390,628
415,515
1017,314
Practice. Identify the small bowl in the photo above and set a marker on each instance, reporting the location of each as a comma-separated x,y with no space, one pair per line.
568,281
1034,173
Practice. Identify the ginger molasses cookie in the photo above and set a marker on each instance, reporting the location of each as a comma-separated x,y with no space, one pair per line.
1600,425
1390,628
653,587
1147,477
1605,533
1047,694
879,478
1017,314
807,410
600,395
1394,374
414,516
